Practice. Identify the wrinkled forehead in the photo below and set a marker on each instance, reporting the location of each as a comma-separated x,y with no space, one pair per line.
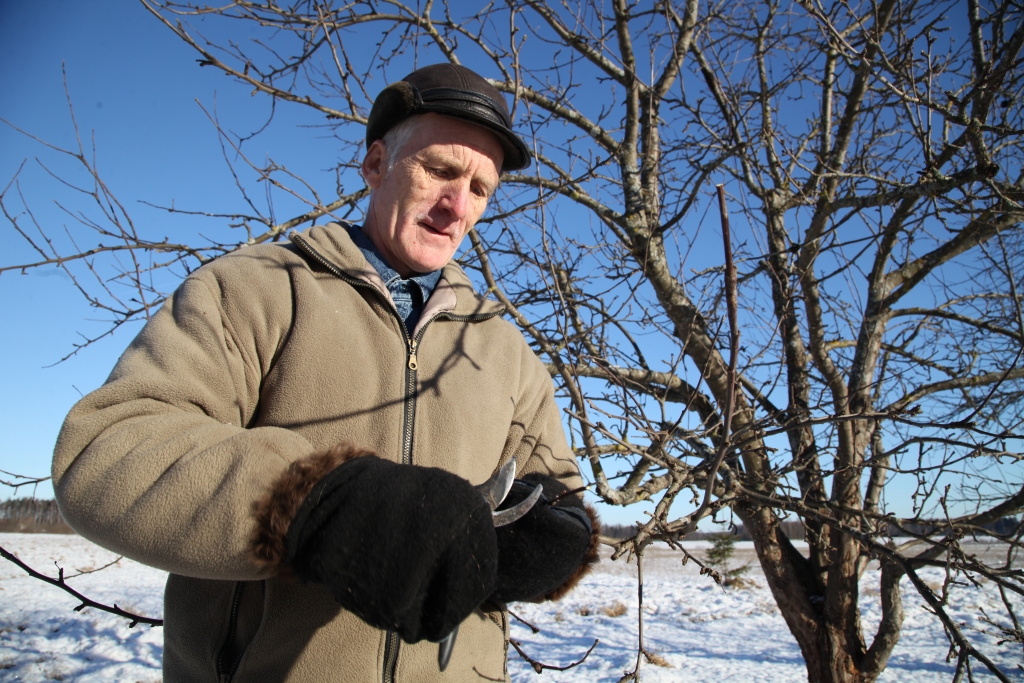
461,140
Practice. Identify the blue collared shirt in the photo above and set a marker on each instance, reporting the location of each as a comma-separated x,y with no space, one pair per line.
408,295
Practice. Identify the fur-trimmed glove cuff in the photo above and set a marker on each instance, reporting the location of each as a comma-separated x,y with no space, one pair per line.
546,553
406,548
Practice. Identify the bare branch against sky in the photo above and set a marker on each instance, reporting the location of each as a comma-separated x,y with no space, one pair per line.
870,159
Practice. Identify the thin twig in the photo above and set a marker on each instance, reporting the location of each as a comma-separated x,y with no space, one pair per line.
523,621
566,494
540,666
725,442
634,675
82,572
16,484
133,619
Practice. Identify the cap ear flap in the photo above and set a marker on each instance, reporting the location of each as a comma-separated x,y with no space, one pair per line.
393,105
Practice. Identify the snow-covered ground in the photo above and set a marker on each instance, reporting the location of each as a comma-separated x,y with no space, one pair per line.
700,632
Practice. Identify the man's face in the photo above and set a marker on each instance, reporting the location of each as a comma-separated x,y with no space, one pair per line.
436,191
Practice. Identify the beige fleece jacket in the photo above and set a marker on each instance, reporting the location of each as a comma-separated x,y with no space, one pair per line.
265,356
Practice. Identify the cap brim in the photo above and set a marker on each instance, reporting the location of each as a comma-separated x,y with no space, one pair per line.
517,154
400,100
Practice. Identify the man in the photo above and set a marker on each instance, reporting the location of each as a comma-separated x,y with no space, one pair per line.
296,434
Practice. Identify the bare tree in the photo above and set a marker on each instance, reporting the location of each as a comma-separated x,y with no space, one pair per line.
871,384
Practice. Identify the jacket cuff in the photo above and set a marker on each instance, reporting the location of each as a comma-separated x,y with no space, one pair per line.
590,558
275,511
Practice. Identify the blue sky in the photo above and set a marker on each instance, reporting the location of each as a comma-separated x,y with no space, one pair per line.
139,94
134,86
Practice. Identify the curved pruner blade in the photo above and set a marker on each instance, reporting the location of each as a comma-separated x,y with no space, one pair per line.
503,517
497,487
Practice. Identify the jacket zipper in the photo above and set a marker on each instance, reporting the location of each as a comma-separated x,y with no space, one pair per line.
225,675
392,641
410,397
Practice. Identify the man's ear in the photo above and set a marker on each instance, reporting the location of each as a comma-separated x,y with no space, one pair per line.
375,164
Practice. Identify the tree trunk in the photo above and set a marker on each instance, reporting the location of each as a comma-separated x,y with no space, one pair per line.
828,631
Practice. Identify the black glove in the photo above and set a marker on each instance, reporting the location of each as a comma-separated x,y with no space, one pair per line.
542,551
406,548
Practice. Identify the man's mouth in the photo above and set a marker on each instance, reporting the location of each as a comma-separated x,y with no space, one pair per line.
433,229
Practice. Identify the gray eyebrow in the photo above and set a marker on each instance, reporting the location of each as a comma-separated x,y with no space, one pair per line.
450,162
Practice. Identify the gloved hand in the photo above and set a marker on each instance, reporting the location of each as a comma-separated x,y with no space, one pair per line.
406,548
550,547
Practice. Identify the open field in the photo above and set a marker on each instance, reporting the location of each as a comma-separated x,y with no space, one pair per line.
700,632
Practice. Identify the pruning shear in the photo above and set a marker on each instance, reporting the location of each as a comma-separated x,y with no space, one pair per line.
494,491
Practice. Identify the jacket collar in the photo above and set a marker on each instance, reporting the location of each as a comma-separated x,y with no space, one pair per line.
454,293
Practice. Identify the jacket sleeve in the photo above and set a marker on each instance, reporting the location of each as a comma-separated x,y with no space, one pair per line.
536,437
539,445
157,464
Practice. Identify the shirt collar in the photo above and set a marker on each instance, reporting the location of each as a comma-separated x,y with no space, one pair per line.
425,281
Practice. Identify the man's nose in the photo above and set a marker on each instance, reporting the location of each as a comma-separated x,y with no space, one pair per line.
455,199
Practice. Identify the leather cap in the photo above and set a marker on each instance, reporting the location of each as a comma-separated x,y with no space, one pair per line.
451,90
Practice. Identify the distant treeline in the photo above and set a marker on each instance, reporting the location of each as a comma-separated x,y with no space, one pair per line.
794,529
1001,527
35,516
32,516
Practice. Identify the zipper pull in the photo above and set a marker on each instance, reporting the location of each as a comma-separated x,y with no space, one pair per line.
412,354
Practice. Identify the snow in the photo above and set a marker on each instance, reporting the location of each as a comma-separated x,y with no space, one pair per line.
43,639
704,633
